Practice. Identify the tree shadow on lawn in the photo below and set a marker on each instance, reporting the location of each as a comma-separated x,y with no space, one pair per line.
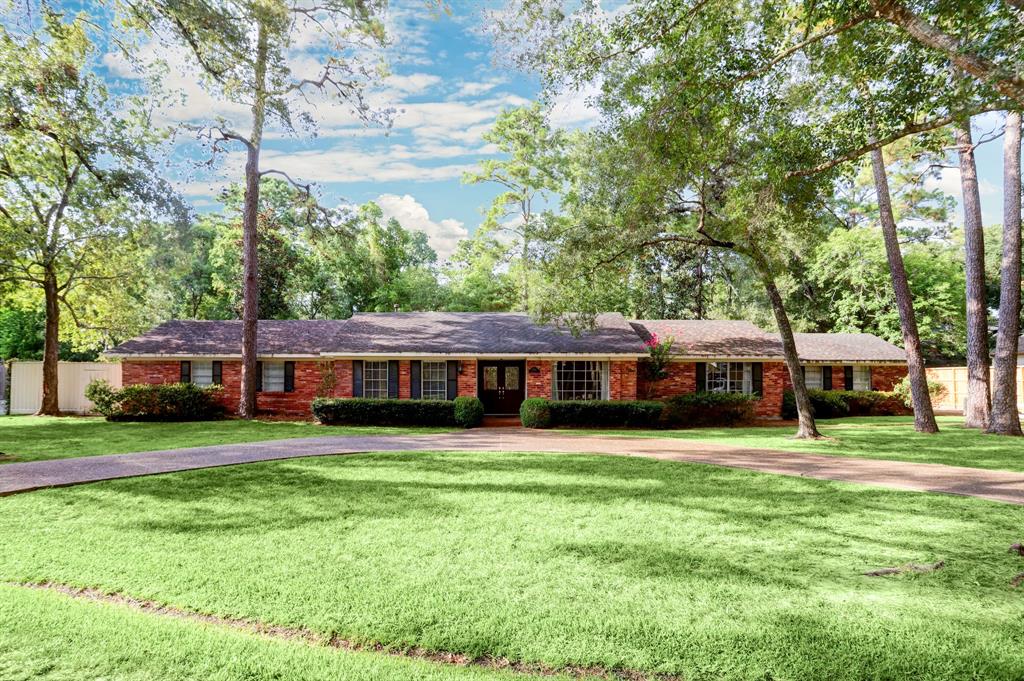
295,493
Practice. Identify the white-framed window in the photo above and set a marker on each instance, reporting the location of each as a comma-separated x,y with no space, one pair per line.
375,379
729,377
273,377
861,378
202,373
813,377
434,380
580,380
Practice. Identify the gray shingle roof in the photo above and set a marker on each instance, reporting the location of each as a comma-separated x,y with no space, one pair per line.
497,333
401,332
725,339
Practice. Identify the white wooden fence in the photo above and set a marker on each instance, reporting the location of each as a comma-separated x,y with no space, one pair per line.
72,378
955,380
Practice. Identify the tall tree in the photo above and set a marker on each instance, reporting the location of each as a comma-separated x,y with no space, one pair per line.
75,174
1005,420
242,48
530,173
976,412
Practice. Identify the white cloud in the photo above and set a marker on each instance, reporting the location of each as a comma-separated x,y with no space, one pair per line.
475,88
413,83
411,214
573,108
343,164
949,182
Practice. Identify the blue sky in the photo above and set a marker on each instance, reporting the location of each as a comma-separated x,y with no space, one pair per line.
447,87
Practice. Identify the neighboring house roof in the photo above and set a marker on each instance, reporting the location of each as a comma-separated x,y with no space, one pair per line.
741,339
462,333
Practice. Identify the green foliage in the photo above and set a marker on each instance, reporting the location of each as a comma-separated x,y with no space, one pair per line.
708,409
535,412
469,411
660,352
831,404
156,402
538,412
936,391
373,412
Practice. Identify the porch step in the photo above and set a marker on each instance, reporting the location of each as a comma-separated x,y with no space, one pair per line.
501,422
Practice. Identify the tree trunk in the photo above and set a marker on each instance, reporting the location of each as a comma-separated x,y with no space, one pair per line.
807,428
526,269
250,235
1004,419
50,405
976,412
924,417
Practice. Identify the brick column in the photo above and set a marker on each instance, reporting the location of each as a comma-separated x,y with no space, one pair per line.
343,378
404,379
775,378
538,384
622,380
467,379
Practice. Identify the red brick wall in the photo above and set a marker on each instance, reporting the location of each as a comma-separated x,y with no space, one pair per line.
404,379
538,384
467,379
838,378
774,377
885,378
622,380
308,382
343,378
682,379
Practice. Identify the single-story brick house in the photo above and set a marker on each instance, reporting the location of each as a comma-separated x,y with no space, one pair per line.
502,358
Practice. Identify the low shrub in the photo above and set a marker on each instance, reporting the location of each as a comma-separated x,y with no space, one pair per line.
936,391
708,409
469,412
155,402
538,412
535,412
831,404
463,411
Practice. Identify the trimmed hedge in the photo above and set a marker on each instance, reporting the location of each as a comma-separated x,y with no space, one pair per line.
538,412
463,411
156,402
708,409
831,404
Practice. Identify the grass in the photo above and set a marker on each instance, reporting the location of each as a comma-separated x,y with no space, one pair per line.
37,438
889,437
48,636
560,559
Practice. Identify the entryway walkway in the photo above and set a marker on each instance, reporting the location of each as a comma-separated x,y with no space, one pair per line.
1004,486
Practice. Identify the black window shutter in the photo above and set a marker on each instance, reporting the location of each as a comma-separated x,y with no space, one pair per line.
702,377
848,377
289,377
259,377
218,373
757,378
453,378
186,372
415,379
357,378
393,379
826,378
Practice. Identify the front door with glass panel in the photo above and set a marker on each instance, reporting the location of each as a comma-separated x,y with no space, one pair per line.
501,386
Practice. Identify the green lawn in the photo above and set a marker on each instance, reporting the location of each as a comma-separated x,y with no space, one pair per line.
891,437
658,566
35,438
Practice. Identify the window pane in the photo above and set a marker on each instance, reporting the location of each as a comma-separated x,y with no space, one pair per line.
273,377
511,378
812,377
202,373
580,380
435,381
862,378
490,378
375,380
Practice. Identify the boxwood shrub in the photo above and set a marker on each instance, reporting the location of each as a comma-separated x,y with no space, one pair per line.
708,409
831,404
463,411
155,402
538,412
